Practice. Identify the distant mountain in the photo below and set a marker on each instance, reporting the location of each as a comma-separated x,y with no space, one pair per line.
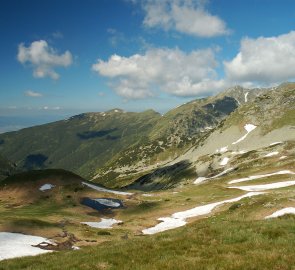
81,143
262,127
93,144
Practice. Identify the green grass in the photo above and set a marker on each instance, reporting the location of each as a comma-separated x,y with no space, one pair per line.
220,242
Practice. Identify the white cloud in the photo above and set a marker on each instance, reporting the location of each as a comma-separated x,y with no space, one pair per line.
30,93
43,59
169,70
185,16
263,60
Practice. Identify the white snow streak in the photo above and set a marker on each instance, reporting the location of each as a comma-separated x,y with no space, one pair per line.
106,190
179,219
222,149
254,177
201,179
246,95
272,154
275,143
284,211
266,186
248,128
224,161
105,223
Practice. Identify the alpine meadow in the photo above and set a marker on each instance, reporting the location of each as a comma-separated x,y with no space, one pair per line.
145,134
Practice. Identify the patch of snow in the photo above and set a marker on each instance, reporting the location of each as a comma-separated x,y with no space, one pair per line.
246,95
282,157
179,219
105,223
108,202
208,128
14,245
202,179
46,187
266,186
222,149
105,189
272,154
275,143
167,223
224,161
248,128
254,177
284,211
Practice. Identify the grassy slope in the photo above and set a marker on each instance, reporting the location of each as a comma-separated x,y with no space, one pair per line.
81,143
226,241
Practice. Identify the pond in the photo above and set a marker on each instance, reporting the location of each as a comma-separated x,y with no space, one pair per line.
102,203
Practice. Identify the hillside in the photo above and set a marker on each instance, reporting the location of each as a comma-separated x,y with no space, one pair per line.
80,144
227,191
6,168
116,147
272,117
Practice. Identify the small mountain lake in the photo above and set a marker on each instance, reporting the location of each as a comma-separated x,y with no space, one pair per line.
102,203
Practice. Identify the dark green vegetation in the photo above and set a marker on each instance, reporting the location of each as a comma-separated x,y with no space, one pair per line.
6,168
80,144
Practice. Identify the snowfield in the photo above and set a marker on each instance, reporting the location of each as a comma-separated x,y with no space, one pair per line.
272,154
224,161
105,223
249,128
202,179
179,219
266,186
246,95
284,211
14,245
46,187
106,190
254,177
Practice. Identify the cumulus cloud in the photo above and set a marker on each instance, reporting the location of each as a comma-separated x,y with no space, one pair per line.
263,60
30,93
185,16
43,59
169,70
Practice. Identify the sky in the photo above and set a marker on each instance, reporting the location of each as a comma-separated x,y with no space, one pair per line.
64,57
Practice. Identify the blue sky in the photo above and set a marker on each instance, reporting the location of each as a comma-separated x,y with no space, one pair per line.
62,57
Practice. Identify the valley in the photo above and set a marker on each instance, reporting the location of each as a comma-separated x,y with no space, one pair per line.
207,183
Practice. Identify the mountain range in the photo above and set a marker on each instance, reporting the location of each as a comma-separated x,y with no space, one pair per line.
229,158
